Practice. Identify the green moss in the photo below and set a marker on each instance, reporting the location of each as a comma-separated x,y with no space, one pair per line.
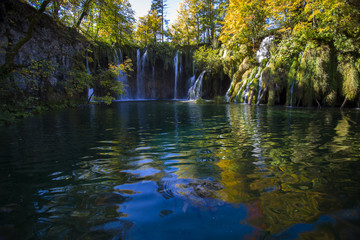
200,101
219,99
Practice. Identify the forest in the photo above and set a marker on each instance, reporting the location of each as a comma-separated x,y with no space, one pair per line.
274,52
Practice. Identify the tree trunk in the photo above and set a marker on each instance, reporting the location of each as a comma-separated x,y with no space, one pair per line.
342,105
84,13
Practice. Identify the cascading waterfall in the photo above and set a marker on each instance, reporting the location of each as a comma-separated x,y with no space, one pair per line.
90,90
190,82
195,90
264,50
176,64
227,95
261,54
260,83
260,86
140,81
138,73
142,87
122,76
247,89
291,92
224,54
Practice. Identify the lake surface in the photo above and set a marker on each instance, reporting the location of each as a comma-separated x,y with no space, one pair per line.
178,170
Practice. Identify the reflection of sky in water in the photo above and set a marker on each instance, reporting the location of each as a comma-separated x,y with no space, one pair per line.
142,170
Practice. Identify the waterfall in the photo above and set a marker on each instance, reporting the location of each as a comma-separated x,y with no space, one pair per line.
138,73
122,77
143,62
247,89
261,54
176,64
195,90
260,86
227,95
153,91
224,54
190,82
87,64
90,90
264,49
260,83
291,92
140,81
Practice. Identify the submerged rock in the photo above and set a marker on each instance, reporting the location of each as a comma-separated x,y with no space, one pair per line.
204,188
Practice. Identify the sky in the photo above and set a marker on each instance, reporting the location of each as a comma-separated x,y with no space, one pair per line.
141,8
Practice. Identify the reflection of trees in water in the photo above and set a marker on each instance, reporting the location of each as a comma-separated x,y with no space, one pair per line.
287,166
306,167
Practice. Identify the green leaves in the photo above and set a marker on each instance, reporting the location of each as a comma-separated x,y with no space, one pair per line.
207,59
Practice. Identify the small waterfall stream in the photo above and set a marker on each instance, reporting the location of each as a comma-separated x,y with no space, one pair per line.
263,52
118,58
140,78
196,89
138,72
90,90
247,88
291,93
176,65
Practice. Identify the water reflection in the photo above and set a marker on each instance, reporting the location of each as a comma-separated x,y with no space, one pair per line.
174,170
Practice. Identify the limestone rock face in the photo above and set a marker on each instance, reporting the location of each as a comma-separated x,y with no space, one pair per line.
51,42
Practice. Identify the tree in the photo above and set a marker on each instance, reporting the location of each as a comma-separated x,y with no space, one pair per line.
198,21
148,28
160,7
105,20
184,29
244,23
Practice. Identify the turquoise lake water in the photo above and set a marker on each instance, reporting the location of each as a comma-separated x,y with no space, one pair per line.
178,170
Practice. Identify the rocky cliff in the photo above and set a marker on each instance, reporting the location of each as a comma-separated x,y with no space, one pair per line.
47,59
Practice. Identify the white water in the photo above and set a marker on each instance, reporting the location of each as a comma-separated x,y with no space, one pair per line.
122,76
247,89
140,77
224,54
227,95
291,92
260,83
196,89
191,80
260,87
176,64
264,49
90,90
138,72
261,54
